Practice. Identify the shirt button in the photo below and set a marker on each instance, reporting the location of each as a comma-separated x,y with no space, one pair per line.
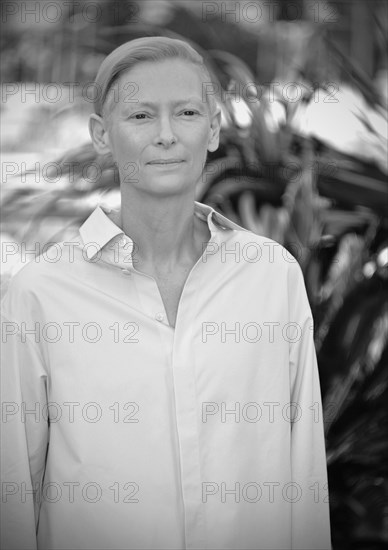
159,317
125,271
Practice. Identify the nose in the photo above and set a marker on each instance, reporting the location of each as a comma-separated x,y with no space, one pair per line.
165,136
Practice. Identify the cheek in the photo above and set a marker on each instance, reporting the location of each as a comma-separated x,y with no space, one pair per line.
199,138
125,144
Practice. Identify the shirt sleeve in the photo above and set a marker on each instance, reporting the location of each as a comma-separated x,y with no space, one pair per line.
25,429
309,489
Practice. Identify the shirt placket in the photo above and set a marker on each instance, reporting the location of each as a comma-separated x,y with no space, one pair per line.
187,406
119,253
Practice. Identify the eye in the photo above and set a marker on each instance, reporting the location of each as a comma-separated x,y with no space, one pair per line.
139,116
190,112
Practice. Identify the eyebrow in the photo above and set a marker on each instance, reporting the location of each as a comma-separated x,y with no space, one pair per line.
150,104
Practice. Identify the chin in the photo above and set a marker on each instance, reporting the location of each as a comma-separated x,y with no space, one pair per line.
168,185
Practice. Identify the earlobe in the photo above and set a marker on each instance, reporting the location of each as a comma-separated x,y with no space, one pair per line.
99,135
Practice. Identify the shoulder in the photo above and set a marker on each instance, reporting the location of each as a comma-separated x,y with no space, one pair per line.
34,278
260,250
253,244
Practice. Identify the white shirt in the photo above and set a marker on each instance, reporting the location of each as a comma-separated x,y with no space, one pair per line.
207,435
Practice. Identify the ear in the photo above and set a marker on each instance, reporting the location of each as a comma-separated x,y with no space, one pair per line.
99,134
215,127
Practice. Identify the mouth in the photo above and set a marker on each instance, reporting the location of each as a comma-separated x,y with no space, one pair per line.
162,162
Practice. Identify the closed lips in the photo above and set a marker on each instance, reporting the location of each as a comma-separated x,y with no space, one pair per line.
165,161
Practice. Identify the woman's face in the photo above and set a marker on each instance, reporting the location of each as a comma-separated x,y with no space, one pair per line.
160,128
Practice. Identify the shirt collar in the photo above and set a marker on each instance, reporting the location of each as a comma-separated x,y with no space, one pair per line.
99,229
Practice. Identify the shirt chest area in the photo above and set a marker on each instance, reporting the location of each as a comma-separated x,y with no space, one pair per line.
170,288
118,339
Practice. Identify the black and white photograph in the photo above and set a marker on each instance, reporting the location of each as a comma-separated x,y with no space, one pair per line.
194,269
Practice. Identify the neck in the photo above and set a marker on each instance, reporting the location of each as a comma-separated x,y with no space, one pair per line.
165,231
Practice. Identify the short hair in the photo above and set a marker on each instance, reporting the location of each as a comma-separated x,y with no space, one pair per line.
154,48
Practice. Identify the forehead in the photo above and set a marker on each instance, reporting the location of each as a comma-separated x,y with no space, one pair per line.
159,80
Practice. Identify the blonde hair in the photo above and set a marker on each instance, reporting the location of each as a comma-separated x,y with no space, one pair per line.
156,48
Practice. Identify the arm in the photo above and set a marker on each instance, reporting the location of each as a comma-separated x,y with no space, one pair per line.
24,434
310,513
